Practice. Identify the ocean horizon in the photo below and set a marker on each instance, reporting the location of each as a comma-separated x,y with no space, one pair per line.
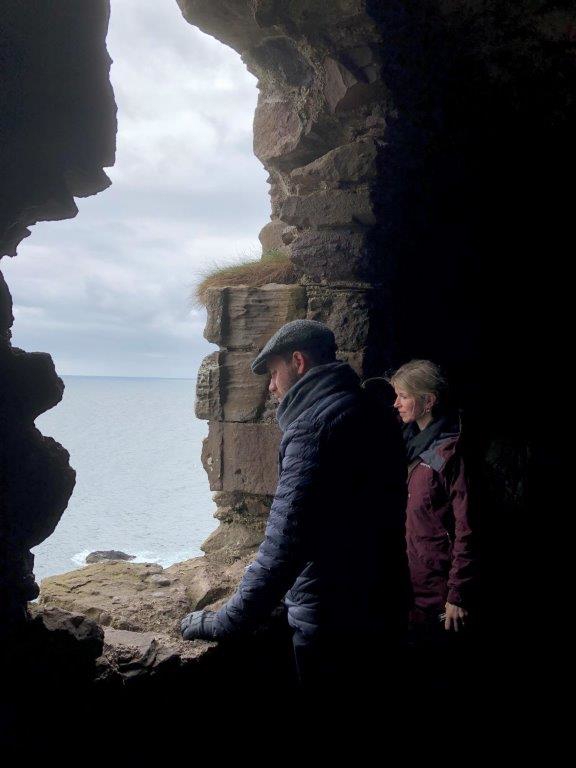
135,444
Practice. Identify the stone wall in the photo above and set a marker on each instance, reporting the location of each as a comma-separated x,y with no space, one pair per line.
241,450
416,156
320,130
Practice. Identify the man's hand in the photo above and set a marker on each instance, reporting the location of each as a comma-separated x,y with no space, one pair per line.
455,617
198,625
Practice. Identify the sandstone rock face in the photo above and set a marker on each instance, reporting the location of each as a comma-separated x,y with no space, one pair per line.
138,597
242,457
320,129
128,656
226,388
240,454
132,611
245,318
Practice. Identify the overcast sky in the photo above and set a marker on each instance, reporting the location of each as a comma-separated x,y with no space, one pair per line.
108,293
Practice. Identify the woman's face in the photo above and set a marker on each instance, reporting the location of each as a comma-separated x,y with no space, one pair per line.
409,407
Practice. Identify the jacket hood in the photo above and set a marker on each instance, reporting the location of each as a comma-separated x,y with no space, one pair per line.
318,383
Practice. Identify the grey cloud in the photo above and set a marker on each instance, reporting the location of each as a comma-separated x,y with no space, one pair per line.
108,293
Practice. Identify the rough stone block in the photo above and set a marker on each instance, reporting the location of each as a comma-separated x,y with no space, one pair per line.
333,208
244,507
352,163
271,237
355,316
339,254
208,399
338,81
347,90
277,129
242,457
244,318
231,541
243,394
227,390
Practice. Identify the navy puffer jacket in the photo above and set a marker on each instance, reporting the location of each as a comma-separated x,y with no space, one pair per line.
334,547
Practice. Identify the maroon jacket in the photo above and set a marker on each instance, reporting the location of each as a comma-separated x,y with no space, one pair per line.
438,532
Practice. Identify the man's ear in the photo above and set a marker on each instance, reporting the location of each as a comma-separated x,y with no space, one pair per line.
300,362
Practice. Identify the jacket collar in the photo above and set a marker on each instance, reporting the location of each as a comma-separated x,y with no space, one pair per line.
423,443
318,383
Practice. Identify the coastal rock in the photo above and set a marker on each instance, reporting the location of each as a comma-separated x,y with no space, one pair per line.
109,554
129,655
54,648
139,597
78,628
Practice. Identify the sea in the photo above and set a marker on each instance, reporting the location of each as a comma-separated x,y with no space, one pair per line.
135,444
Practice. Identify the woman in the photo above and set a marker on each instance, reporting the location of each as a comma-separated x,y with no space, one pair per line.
438,532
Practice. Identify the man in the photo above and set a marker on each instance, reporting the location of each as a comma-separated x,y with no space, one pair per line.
334,546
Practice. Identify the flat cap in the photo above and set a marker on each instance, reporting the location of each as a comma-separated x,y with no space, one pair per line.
298,334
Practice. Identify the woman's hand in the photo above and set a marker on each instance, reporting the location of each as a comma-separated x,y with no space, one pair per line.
455,617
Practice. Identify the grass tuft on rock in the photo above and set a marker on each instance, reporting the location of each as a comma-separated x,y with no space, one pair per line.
272,267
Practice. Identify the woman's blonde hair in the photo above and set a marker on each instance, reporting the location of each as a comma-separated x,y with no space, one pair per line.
419,378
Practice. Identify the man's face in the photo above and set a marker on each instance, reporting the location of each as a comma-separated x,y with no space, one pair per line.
283,375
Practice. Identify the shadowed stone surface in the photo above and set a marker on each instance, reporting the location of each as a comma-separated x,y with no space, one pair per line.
57,131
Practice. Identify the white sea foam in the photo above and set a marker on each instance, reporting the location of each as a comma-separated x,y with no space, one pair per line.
144,556
79,559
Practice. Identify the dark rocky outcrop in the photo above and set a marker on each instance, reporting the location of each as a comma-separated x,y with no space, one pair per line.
108,554
57,131
58,123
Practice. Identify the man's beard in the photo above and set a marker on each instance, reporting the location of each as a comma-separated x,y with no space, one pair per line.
294,378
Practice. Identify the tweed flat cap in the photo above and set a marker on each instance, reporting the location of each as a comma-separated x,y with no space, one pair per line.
299,334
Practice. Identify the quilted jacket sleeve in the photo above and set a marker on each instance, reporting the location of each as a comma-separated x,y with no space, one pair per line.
283,552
